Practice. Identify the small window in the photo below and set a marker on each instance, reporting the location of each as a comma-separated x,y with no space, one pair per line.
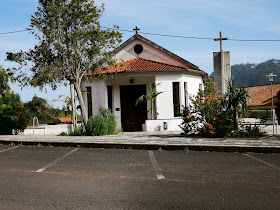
110,97
89,101
176,99
138,49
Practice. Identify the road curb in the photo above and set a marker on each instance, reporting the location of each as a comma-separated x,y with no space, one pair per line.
231,149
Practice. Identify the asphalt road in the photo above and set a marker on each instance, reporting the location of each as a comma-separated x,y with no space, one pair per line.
85,178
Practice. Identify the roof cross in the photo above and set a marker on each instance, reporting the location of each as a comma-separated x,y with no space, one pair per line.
221,41
136,30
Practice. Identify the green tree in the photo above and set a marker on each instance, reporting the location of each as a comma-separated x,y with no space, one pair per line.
152,98
13,115
4,79
236,101
213,115
71,42
39,107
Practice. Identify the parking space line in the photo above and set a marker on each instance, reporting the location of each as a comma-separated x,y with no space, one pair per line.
262,161
9,149
57,160
155,165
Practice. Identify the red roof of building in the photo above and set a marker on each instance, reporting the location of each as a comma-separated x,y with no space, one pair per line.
261,95
65,119
144,65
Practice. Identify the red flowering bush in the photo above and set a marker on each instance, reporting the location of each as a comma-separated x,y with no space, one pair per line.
214,119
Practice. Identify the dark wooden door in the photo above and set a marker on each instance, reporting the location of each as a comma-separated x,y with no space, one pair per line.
132,116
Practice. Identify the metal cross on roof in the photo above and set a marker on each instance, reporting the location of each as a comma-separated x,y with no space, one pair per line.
136,30
221,41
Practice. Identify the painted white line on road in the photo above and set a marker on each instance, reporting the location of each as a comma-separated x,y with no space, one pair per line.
170,180
57,160
9,149
155,165
262,161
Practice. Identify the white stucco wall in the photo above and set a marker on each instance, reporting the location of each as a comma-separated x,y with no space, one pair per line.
99,94
165,100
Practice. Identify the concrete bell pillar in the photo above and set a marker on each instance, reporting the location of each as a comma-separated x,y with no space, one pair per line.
222,70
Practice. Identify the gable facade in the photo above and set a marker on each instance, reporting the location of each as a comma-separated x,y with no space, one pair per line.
141,64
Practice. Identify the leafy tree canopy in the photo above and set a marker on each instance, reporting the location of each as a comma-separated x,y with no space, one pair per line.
251,74
70,43
4,79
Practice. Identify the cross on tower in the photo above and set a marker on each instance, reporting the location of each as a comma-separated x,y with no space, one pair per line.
221,41
136,30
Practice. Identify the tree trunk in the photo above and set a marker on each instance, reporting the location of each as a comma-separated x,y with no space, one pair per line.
81,102
73,107
236,121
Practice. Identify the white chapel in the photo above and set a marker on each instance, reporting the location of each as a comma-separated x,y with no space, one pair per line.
142,64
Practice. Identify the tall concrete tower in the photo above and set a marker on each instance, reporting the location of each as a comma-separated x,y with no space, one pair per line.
222,69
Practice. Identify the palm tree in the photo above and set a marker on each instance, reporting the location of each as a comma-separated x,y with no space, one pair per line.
235,98
150,97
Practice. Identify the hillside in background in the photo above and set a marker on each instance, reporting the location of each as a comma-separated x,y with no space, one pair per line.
250,74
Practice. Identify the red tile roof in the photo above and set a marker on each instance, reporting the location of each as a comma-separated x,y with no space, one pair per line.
260,95
143,65
65,119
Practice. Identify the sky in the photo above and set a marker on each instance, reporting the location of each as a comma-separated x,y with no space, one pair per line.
237,19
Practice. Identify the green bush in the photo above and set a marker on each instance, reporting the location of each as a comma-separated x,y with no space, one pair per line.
260,114
63,134
77,132
103,124
13,116
251,131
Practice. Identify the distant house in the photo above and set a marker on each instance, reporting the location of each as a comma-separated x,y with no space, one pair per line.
260,96
141,64
64,119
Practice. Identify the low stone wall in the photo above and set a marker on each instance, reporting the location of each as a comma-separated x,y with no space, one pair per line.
163,125
49,129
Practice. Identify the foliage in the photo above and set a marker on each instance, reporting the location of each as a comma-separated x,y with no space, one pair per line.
39,107
63,134
259,114
4,79
236,101
277,105
211,114
152,98
251,131
67,100
71,42
193,122
13,115
102,124
251,74
77,132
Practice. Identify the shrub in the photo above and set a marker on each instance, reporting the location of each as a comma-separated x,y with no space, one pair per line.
63,134
102,124
13,115
214,115
251,131
77,132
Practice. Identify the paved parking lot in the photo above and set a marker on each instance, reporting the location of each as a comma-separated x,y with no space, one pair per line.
67,177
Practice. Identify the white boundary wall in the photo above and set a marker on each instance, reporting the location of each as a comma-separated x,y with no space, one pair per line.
49,130
163,125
